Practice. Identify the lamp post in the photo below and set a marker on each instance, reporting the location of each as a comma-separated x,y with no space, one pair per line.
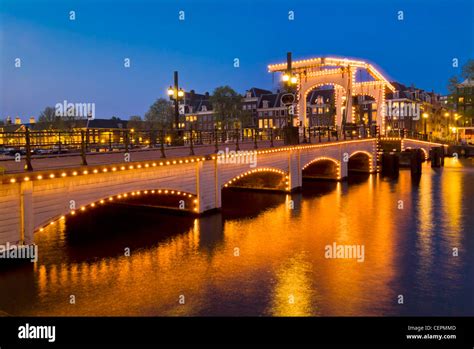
454,129
290,81
425,117
176,94
447,115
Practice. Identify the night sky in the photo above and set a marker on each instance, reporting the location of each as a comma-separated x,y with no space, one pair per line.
83,60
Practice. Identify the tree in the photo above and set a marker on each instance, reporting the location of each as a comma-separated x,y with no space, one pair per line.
49,118
135,122
160,115
158,118
115,118
468,70
453,82
227,106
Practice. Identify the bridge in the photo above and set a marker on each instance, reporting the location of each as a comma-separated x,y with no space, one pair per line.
30,201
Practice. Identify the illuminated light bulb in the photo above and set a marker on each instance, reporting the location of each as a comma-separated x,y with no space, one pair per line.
63,174
104,170
147,165
85,172
51,175
41,229
26,179
130,167
159,191
153,192
114,169
73,212
83,208
154,165
63,217
122,168
125,195
93,205
167,162
166,191
101,201
95,171
111,198
13,180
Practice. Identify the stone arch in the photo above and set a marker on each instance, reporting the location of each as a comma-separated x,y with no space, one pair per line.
322,168
262,178
360,161
190,199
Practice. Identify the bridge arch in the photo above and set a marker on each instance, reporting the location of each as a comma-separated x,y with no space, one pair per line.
262,178
423,145
189,202
360,161
322,168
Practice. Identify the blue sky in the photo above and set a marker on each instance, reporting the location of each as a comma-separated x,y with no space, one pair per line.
82,60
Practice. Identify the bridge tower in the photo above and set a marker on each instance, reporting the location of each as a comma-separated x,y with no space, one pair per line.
341,74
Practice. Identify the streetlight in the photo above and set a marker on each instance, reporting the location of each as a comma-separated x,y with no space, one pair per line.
176,94
447,115
425,117
454,129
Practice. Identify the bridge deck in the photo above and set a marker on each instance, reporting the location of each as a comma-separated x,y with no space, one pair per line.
64,161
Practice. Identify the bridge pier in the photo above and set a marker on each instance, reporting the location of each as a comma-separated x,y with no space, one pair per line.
343,168
295,174
26,213
208,186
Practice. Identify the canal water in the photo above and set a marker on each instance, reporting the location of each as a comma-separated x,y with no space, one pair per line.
265,254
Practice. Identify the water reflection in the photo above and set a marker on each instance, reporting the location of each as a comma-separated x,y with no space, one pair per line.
264,254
